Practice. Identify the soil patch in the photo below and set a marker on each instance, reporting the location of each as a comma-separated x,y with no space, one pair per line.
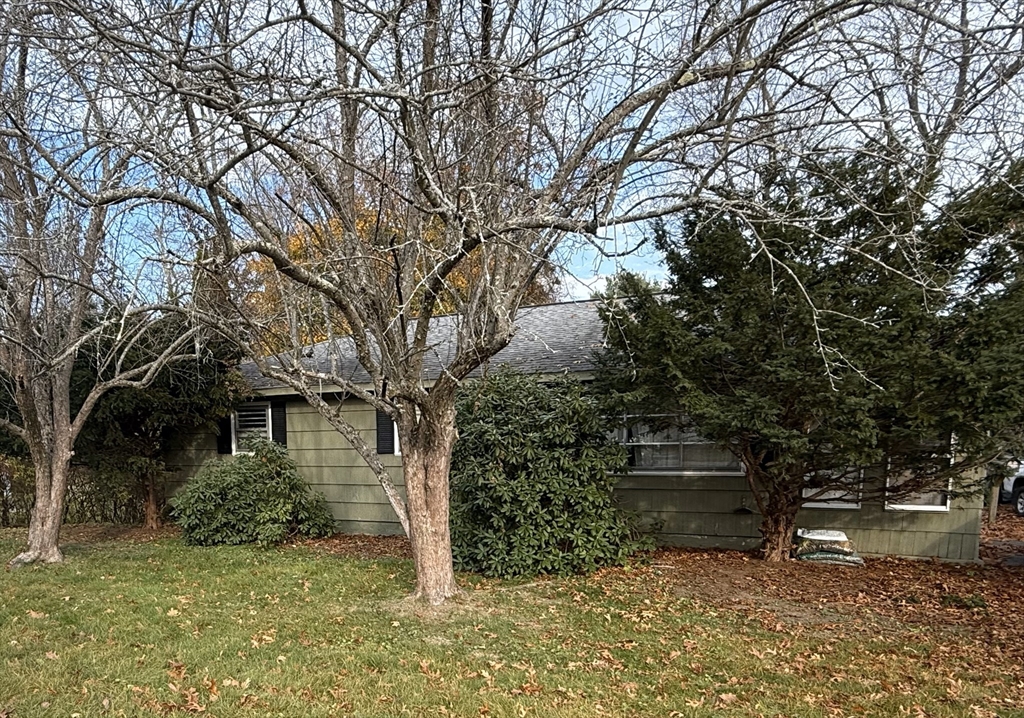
362,546
1008,526
965,606
461,605
98,533
1002,543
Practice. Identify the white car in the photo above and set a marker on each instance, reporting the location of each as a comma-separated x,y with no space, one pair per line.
1012,491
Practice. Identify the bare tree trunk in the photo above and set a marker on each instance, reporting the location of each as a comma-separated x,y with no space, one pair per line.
426,457
6,492
778,522
993,503
777,501
152,512
51,474
777,536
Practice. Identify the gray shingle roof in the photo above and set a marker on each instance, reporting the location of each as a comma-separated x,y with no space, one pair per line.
549,339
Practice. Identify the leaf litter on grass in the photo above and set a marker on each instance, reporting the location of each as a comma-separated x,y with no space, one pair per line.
691,633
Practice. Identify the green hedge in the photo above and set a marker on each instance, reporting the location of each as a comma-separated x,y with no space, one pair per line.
532,480
252,498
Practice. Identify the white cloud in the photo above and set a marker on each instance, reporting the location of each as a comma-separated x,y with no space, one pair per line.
582,288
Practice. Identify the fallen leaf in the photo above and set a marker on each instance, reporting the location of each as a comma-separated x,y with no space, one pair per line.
192,704
263,638
727,698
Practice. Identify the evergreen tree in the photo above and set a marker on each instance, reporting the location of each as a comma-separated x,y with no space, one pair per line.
813,353
128,433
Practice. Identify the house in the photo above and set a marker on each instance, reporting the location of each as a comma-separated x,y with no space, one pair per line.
696,492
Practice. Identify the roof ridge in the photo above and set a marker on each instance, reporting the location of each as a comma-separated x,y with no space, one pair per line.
576,302
553,337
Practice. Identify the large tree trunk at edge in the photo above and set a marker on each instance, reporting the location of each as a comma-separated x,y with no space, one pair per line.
426,446
44,526
6,482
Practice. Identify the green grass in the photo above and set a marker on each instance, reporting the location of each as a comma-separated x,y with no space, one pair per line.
124,629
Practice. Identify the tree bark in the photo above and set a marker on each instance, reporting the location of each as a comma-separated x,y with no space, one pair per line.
993,503
6,492
778,498
779,507
44,526
777,534
152,510
427,441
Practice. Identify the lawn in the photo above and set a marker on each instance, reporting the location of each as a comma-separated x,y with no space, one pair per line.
135,625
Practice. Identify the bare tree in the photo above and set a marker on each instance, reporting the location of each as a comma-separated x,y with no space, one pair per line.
404,140
73,284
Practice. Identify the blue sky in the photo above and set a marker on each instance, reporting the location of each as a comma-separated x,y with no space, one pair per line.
587,270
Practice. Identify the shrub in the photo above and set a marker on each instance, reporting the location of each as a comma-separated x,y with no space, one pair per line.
17,490
253,498
532,477
108,494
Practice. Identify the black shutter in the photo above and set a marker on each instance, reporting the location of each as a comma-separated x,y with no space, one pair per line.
224,435
385,434
278,423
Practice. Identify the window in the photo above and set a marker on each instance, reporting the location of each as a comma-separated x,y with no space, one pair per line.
845,498
249,421
934,459
256,419
937,500
673,449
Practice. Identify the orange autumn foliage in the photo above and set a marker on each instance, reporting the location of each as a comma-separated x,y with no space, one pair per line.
289,315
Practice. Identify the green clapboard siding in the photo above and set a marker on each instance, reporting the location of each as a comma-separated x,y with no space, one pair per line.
324,458
373,528
188,452
705,511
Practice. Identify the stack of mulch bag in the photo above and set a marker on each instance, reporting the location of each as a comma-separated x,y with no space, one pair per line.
826,547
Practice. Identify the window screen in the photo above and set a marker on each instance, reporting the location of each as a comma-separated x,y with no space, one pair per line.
671,448
251,421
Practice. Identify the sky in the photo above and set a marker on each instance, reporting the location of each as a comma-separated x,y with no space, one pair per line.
587,269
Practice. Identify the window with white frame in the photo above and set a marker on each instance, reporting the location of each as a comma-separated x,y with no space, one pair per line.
932,500
839,498
673,449
936,499
249,421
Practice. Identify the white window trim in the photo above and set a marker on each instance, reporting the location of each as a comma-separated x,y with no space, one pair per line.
669,471
944,509
847,505
398,445
235,451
